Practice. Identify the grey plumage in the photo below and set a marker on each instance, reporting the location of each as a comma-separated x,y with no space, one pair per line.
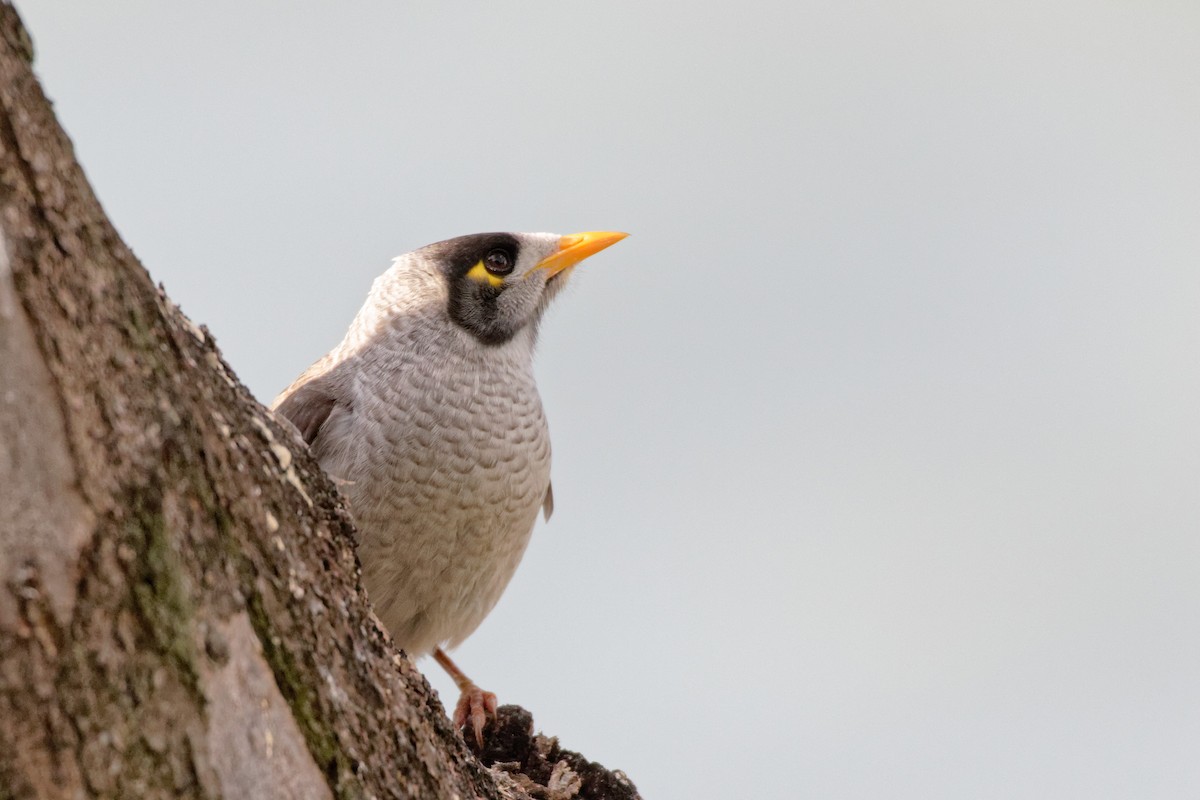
429,414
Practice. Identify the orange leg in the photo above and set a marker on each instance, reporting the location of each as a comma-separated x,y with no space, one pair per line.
474,703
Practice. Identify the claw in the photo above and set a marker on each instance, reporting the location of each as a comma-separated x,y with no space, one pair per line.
474,704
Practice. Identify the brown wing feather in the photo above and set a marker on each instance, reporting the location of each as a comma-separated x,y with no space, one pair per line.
548,503
309,401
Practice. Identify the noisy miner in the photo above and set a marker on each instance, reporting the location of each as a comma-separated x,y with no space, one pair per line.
428,417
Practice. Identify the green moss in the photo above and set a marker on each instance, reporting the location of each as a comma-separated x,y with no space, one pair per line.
141,330
289,677
158,589
292,678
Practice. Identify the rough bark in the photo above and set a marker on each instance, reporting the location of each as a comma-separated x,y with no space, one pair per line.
180,610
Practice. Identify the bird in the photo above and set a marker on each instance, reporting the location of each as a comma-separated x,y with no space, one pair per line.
427,416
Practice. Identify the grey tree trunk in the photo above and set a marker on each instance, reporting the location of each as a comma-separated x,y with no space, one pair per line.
180,609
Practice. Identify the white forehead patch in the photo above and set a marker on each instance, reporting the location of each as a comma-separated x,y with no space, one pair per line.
534,248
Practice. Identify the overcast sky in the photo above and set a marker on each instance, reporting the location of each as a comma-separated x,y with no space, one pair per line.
877,444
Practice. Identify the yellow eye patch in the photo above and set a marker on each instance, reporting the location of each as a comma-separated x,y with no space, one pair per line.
480,273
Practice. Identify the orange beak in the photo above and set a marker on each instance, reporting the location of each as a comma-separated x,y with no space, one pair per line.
576,247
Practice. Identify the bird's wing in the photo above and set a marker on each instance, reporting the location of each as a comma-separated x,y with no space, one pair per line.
548,503
310,400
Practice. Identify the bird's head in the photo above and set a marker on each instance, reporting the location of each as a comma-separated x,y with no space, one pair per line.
498,284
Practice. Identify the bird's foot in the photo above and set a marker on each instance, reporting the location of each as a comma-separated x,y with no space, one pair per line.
475,705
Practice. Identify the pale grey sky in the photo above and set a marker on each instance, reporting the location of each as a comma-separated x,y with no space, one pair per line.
877,445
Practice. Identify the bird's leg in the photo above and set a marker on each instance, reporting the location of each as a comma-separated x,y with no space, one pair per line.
474,703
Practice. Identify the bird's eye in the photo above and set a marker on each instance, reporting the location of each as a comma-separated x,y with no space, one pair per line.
498,262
